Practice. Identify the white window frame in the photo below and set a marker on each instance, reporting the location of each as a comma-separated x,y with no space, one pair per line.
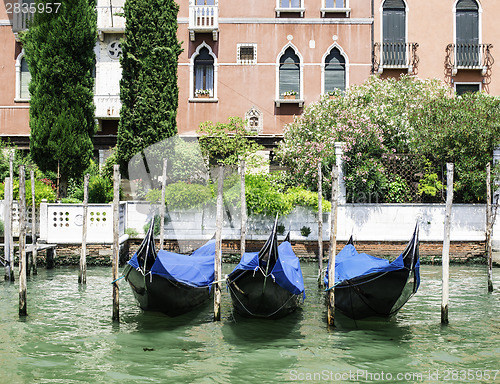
246,45
192,97
346,58
17,97
324,10
468,83
278,100
300,9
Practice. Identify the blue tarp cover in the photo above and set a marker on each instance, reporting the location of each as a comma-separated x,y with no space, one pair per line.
286,272
350,264
195,270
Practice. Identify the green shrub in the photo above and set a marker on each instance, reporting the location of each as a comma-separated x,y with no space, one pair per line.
2,229
304,198
71,200
182,195
43,190
100,190
131,232
264,197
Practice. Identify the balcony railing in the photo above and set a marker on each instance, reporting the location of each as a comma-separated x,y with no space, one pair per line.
469,56
203,19
20,20
107,106
395,56
110,19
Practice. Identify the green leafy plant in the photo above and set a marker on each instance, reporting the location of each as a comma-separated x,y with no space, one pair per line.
280,229
398,190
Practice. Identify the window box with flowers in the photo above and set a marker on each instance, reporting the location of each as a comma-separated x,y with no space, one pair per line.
289,95
202,93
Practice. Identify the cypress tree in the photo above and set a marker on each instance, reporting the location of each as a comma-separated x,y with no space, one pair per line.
59,48
148,88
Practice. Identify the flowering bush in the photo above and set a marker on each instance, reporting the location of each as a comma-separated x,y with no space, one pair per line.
372,120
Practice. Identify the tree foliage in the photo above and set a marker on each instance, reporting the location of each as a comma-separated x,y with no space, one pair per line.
148,87
226,143
60,54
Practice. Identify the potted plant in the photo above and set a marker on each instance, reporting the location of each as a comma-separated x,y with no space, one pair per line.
289,95
202,93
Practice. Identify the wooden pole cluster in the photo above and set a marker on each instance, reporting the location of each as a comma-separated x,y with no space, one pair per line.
243,232
333,246
22,243
162,203
34,251
82,276
218,245
9,265
489,228
446,244
116,245
320,224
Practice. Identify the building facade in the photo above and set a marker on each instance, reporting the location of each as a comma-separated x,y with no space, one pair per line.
266,60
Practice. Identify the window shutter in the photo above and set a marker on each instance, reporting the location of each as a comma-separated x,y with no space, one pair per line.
25,79
467,33
289,72
334,71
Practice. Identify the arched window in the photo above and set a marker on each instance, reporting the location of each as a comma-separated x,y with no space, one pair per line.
335,71
467,33
289,73
394,33
25,80
204,74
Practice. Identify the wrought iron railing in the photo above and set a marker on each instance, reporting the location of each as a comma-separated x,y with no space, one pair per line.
395,55
469,56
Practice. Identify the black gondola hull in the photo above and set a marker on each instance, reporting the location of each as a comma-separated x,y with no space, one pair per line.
378,294
251,298
155,293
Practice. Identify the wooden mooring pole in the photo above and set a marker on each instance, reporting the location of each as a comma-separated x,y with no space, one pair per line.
11,210
243,231
34,251
446,244
162,203
82,275
218,245
333,246
116,245
489,228
22,243
9,261
320,224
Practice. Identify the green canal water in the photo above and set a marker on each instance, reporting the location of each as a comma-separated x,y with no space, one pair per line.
68,337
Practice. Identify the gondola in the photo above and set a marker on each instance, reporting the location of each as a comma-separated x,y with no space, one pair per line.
367,286
268,283
169,282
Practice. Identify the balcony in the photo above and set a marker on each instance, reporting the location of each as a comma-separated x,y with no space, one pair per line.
395,56
469,56
204,19
335,6
110,19
107,106
20,20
